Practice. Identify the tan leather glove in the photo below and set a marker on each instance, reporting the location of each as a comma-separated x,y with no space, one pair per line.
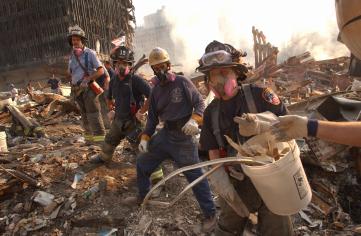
290,127
110,104
141,117
249,125
111,115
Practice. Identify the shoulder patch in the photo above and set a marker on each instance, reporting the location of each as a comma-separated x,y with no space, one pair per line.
269,96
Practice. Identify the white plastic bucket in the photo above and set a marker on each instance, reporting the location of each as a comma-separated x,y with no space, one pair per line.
282,185
3,144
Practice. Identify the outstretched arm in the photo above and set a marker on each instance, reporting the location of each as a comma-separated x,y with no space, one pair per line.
293,126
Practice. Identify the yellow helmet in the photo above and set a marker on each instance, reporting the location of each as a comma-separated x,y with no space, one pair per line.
158,55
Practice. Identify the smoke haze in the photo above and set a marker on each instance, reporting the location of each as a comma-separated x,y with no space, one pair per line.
291,25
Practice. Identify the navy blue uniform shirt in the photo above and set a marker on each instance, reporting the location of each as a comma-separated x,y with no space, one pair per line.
119,90
172,102
265,100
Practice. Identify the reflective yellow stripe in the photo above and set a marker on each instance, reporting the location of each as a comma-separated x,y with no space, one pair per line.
88,137
27,131
37,129
157,175
98,138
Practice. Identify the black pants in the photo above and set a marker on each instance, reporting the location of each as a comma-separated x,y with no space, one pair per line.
269,224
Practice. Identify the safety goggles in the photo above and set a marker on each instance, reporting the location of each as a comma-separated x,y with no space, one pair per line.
217,57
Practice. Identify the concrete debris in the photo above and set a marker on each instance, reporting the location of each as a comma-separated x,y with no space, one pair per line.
58,163
29,225
77,178
47,150
43,198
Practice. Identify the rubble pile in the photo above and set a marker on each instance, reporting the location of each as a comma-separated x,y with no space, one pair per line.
298,77
48,187
334,170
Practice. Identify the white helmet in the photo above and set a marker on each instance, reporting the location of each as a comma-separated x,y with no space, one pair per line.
76,31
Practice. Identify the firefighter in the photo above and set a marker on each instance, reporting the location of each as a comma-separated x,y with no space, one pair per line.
223,69
126,96
176,102
85,68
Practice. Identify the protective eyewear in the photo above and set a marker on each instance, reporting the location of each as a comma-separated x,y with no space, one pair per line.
217,57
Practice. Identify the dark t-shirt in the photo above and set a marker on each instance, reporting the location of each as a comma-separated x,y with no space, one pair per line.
54,83
265,100
119,90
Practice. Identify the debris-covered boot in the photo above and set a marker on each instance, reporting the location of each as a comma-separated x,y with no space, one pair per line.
209,224
221,232
97,159
132,201
104,156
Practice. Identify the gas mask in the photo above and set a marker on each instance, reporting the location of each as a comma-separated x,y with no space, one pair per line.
77,51
223,84
121,70
161,75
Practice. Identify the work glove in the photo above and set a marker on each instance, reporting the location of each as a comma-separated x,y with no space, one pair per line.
143,146
141,117
191,127
84,84
290,127
110,104
111,115
251,124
